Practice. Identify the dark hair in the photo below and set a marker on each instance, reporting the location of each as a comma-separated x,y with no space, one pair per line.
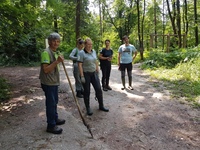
125,36
107,40
80,41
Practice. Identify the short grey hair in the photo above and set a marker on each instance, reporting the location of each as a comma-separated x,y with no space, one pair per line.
54,36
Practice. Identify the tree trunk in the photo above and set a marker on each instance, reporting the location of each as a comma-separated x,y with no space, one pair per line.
100,21
55,24
172,18
195,22
155,23
178,20
78,16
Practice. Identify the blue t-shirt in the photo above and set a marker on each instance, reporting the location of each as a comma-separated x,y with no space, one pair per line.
126,53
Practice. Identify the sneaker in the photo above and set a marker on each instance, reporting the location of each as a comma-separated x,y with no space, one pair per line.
108,87
60,122
55,130
130,87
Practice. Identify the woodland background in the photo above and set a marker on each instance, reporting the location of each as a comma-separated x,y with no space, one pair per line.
165,33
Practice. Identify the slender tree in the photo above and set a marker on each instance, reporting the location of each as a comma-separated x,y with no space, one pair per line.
196,23
78,16
178,21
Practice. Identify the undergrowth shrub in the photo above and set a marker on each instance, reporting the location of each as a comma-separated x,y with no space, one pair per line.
4,92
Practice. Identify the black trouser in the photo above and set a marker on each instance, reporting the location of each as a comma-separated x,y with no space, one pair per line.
105,68
123,68
92,77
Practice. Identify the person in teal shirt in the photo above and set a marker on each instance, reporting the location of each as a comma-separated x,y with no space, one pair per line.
89,70
50,80
126,54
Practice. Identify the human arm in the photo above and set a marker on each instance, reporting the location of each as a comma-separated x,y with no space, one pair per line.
80,67
49,67
102,57
72,54
119,55
97,66
134,54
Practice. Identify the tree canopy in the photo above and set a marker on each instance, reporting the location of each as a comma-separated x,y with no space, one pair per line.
24,24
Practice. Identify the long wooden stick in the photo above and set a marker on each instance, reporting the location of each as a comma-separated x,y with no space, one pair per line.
76,101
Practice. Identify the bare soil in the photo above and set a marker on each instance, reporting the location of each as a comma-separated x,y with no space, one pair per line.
146,118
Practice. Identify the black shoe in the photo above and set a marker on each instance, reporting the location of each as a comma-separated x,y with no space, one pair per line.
79,95
104,109
105,89
55,130
108,87
60,122
123,88
89,112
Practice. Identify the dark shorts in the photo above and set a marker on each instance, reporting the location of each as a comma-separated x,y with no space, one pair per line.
126,66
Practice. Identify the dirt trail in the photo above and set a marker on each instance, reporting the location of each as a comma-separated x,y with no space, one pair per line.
143,119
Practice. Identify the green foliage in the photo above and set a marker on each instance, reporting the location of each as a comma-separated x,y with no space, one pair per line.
157,59
182,78
4,92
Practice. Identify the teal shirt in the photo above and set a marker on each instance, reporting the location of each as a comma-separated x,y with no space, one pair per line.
88,59
126,53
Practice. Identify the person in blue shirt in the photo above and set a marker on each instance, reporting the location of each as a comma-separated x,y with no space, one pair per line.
105,57
126,55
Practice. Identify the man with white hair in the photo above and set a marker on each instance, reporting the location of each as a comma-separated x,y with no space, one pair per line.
50,80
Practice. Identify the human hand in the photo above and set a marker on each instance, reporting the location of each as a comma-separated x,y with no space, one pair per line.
119,67
82,79
60,58
97,72
109,58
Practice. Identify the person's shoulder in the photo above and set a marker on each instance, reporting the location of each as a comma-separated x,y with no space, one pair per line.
81,51
45,52
123,45
74,49
102,50
131,45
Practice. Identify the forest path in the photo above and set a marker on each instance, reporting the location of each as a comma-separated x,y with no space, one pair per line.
141,119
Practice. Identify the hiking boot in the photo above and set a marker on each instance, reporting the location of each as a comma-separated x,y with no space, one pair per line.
60,122
89,112
108,87
103,109
105,89
55,130
79,95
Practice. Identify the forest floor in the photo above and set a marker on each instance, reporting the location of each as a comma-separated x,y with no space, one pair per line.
146,118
